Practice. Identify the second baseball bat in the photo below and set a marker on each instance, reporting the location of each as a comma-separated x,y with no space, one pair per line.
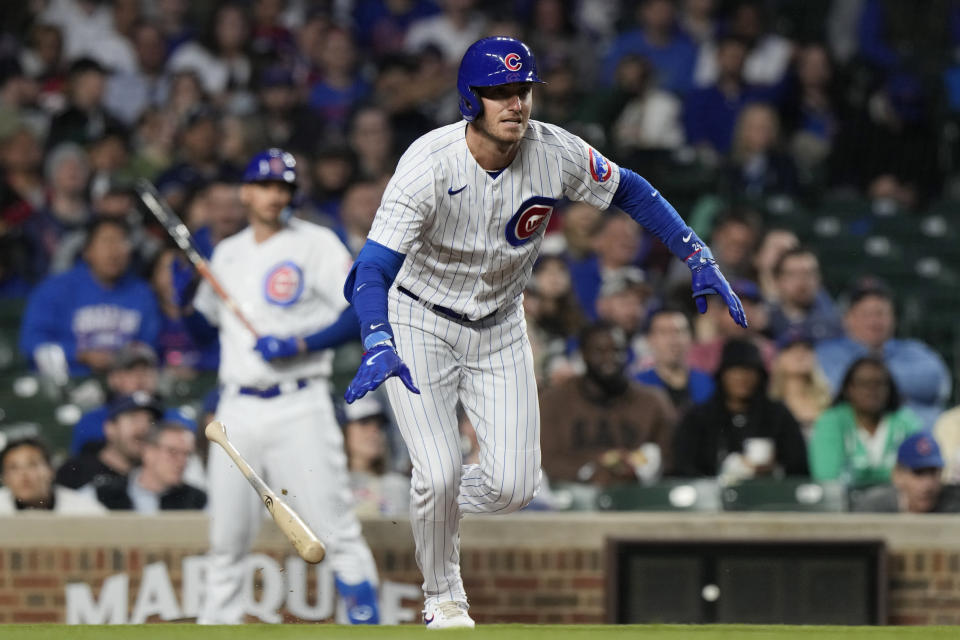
174,226
303,539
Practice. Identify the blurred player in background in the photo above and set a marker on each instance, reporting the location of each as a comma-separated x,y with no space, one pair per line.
286,275
458,231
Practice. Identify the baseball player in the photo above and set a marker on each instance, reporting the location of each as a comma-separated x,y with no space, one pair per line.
286,276
437,288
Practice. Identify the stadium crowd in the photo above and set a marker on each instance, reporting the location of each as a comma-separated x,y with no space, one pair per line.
747,114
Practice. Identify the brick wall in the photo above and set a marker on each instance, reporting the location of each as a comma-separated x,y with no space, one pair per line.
510,575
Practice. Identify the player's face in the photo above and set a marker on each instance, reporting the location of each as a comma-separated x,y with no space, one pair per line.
506,111
266,200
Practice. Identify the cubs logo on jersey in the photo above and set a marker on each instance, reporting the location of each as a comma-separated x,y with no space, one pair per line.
512,62
600,168
528,218
283,284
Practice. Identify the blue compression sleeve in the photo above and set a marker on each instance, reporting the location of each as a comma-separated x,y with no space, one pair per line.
643,203
366,287
344,329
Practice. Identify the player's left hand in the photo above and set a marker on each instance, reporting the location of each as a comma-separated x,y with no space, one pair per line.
708,279
379,363
272,347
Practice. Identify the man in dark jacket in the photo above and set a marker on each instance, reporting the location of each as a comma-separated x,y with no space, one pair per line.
712,436
157,485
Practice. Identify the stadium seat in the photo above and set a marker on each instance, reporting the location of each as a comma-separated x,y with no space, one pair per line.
668,495
788,494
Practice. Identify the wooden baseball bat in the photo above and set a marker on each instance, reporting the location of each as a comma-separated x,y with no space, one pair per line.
304,540
174,226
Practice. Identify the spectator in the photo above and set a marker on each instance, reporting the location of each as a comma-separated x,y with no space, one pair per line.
580,223
126,428
601,427
66,211
670,51
360,203
768,54
712,438
221,62
797,381
22,190
710,113
733,240
158,483
135,370
713,329
669,338
88,30
381,25
130,93
920,373
917,483
698,20
198,163
451,32
85,117
623,302
42,59
401,89
773,244
553,35
178,353
811,114
616,244
340,85
95,308
281,118
333,172
804,305
758,168
947,432
856,440
28,483
642,116
376,489
371,139
561,100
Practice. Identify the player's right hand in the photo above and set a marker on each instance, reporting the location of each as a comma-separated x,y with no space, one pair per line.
185,282
379,363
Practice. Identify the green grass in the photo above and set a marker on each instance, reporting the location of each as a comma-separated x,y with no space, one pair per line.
496,632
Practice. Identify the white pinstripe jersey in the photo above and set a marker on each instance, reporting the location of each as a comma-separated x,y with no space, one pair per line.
288,285
471,238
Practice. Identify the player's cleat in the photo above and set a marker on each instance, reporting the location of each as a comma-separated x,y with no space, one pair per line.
447,615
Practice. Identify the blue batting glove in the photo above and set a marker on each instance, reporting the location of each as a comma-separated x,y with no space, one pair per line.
379,363
272,347
707,279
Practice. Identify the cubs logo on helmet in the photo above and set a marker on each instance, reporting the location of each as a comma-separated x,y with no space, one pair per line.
528,219
600,168
512,61
283,284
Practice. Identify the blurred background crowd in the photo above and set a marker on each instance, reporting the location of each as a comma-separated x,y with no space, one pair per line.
814,142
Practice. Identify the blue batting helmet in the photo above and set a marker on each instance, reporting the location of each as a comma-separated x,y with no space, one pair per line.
490,62
272,165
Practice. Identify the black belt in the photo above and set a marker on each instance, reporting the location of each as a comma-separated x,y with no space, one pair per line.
274,391
450,313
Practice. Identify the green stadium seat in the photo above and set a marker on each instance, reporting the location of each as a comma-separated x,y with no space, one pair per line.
667,495
788,494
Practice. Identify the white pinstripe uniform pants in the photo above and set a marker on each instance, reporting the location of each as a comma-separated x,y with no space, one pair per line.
488,366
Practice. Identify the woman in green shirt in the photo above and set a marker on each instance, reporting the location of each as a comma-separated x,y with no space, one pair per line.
855,441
